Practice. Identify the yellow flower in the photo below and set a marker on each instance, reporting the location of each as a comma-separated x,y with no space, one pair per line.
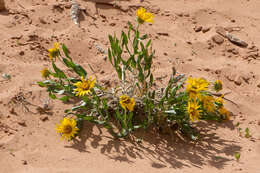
84,86
208,103
195,86
143,16
127,103
224,112
45,73
67,128
54,52
218,85
193,111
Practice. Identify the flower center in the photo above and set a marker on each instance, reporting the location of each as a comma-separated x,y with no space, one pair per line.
67,129
85,86
127,101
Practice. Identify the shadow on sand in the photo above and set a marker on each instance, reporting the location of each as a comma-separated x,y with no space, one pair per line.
162,150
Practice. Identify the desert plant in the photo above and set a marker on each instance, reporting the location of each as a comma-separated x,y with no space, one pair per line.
136,102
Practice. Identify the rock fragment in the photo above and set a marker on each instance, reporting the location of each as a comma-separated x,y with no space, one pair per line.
24,162
238,80
205,29
163,33
22,123
236,40
42,20
44,118
198,28
218,39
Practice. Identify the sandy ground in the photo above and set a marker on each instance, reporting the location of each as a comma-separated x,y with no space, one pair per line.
28,141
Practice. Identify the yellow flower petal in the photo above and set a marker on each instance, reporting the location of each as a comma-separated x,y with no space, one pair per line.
144,16
67,128
127,103
84,86
193,110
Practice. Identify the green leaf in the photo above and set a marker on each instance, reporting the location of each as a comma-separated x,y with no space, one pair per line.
59,72
133,62
80,70
148,43
143,49
41,84
130,25
140,74
237,156
137,34
66,51
111,41
64,98
52,96
119,72
110,56
88,118
145,36
151,80
247,135
135,45
67,111
125,40
68,63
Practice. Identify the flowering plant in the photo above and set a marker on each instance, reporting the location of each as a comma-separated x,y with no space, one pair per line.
136,102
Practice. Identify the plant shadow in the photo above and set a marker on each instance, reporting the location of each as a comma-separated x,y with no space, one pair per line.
162,150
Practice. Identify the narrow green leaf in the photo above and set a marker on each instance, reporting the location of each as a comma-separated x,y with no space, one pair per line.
68,63
52,96
67,111
66,51
111,41
80,70
59,72
125,40
133,62
148,43
64,98
145,36
119,72
41,84
151,80
110,56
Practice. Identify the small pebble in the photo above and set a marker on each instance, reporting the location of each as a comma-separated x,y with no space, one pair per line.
218,39
205,29
24,162
44,118
22,123
198,28
21,53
